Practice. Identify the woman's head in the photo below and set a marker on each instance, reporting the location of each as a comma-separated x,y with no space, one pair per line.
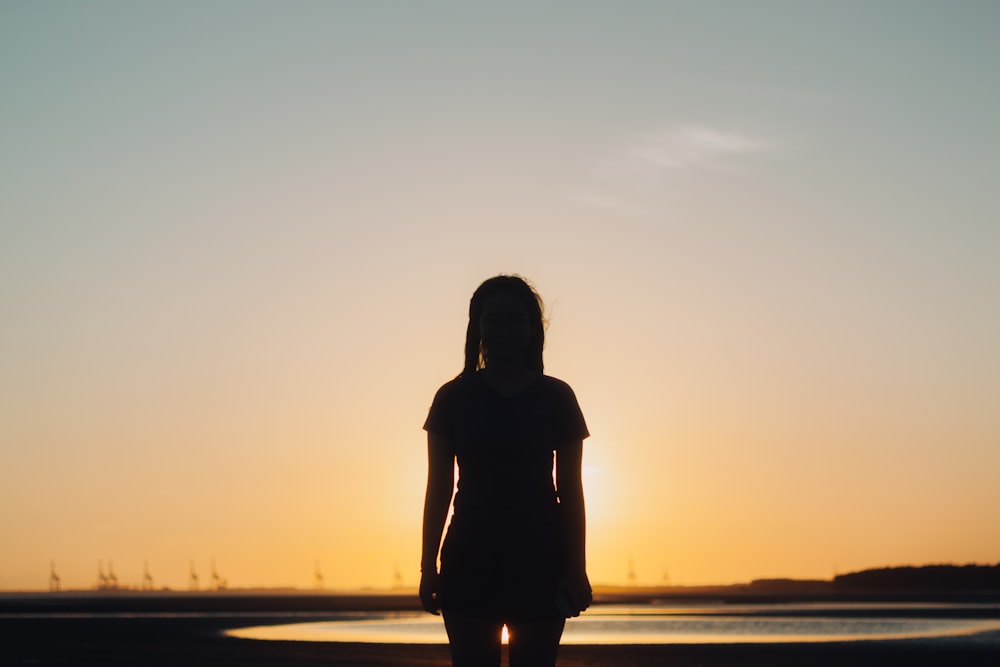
505,321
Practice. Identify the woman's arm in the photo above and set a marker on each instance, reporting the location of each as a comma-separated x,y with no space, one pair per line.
569,484
437,500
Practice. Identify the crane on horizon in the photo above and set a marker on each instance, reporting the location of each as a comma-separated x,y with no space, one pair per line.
218,583
147,578
317,576
54,581
112,577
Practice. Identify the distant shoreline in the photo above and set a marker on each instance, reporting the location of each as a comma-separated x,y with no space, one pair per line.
945,582
286,600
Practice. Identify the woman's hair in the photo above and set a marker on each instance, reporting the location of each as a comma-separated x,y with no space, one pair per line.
523,291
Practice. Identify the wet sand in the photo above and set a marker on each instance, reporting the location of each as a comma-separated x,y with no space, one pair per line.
78,632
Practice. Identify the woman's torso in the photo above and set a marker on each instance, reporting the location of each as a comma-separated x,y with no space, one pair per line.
504,446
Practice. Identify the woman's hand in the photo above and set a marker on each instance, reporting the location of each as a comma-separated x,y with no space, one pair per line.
430,592
575,592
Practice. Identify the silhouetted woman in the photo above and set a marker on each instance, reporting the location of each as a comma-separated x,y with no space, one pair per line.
514,553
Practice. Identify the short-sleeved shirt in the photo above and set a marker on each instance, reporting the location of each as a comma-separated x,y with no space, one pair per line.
504,446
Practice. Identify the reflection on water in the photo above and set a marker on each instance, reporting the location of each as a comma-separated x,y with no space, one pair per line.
653,625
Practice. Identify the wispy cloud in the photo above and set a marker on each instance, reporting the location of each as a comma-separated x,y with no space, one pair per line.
631,179
690,146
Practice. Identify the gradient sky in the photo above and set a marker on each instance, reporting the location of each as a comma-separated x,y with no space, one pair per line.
238,239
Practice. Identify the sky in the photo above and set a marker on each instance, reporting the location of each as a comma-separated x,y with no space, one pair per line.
238,239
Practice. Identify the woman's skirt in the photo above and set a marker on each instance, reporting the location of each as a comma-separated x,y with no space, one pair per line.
505,584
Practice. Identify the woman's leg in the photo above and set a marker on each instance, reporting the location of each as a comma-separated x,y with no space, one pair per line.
535,644
474,643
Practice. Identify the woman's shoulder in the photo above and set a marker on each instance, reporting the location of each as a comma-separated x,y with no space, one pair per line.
555,385
562,399
456,385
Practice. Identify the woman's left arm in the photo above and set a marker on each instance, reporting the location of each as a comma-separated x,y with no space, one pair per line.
569,484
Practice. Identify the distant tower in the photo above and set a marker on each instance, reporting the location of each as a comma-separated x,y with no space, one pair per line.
397,576
666,577
147,578
192,577
54,586
102,579
317,577
631,573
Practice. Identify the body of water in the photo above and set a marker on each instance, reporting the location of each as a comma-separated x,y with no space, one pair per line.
665,624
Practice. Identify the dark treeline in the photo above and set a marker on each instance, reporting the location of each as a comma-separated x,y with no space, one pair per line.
928,577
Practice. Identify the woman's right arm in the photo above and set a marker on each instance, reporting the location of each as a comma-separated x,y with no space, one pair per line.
437,500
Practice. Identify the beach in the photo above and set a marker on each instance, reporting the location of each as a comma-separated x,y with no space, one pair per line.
182,630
